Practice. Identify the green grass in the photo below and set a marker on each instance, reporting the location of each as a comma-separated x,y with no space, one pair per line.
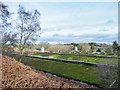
110,61
42,54
80,72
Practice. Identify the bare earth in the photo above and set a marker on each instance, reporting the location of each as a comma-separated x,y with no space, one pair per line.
18,75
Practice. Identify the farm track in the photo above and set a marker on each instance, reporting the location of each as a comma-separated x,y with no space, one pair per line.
18,75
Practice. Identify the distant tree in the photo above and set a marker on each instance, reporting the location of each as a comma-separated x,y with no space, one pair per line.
92,43
28,26
119,51
74,44
98,50
115,47
92,47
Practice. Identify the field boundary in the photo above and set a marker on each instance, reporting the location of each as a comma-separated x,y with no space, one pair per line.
74,61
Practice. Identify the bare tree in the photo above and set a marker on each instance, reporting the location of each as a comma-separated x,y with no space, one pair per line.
7,35
5,31
28,26
4,16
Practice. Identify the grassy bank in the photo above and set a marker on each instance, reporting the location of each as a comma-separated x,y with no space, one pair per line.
79,72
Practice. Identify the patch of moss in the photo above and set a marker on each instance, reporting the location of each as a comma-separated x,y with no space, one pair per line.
110,61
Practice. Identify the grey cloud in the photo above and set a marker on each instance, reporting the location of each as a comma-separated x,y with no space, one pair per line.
81,38
109,22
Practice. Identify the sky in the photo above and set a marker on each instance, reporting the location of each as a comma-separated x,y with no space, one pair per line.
78,22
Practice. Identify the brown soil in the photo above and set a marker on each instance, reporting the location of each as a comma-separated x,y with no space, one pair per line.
18,75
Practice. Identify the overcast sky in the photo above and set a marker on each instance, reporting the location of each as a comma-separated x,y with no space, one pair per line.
78,22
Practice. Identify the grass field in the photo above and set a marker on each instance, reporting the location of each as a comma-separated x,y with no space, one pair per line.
80,72
110,61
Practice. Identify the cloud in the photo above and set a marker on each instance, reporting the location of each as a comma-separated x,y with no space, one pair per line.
109,22
76,22
107,38
76,29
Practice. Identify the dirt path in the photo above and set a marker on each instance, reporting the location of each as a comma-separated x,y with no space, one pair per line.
18,75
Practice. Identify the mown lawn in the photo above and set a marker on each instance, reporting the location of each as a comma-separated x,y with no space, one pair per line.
110,61
80,72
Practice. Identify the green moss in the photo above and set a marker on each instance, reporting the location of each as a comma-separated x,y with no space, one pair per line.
70,58
81,58
79,72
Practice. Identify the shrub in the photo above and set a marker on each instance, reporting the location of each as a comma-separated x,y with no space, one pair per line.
93,47
107,75
8,50
109,51
98,50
